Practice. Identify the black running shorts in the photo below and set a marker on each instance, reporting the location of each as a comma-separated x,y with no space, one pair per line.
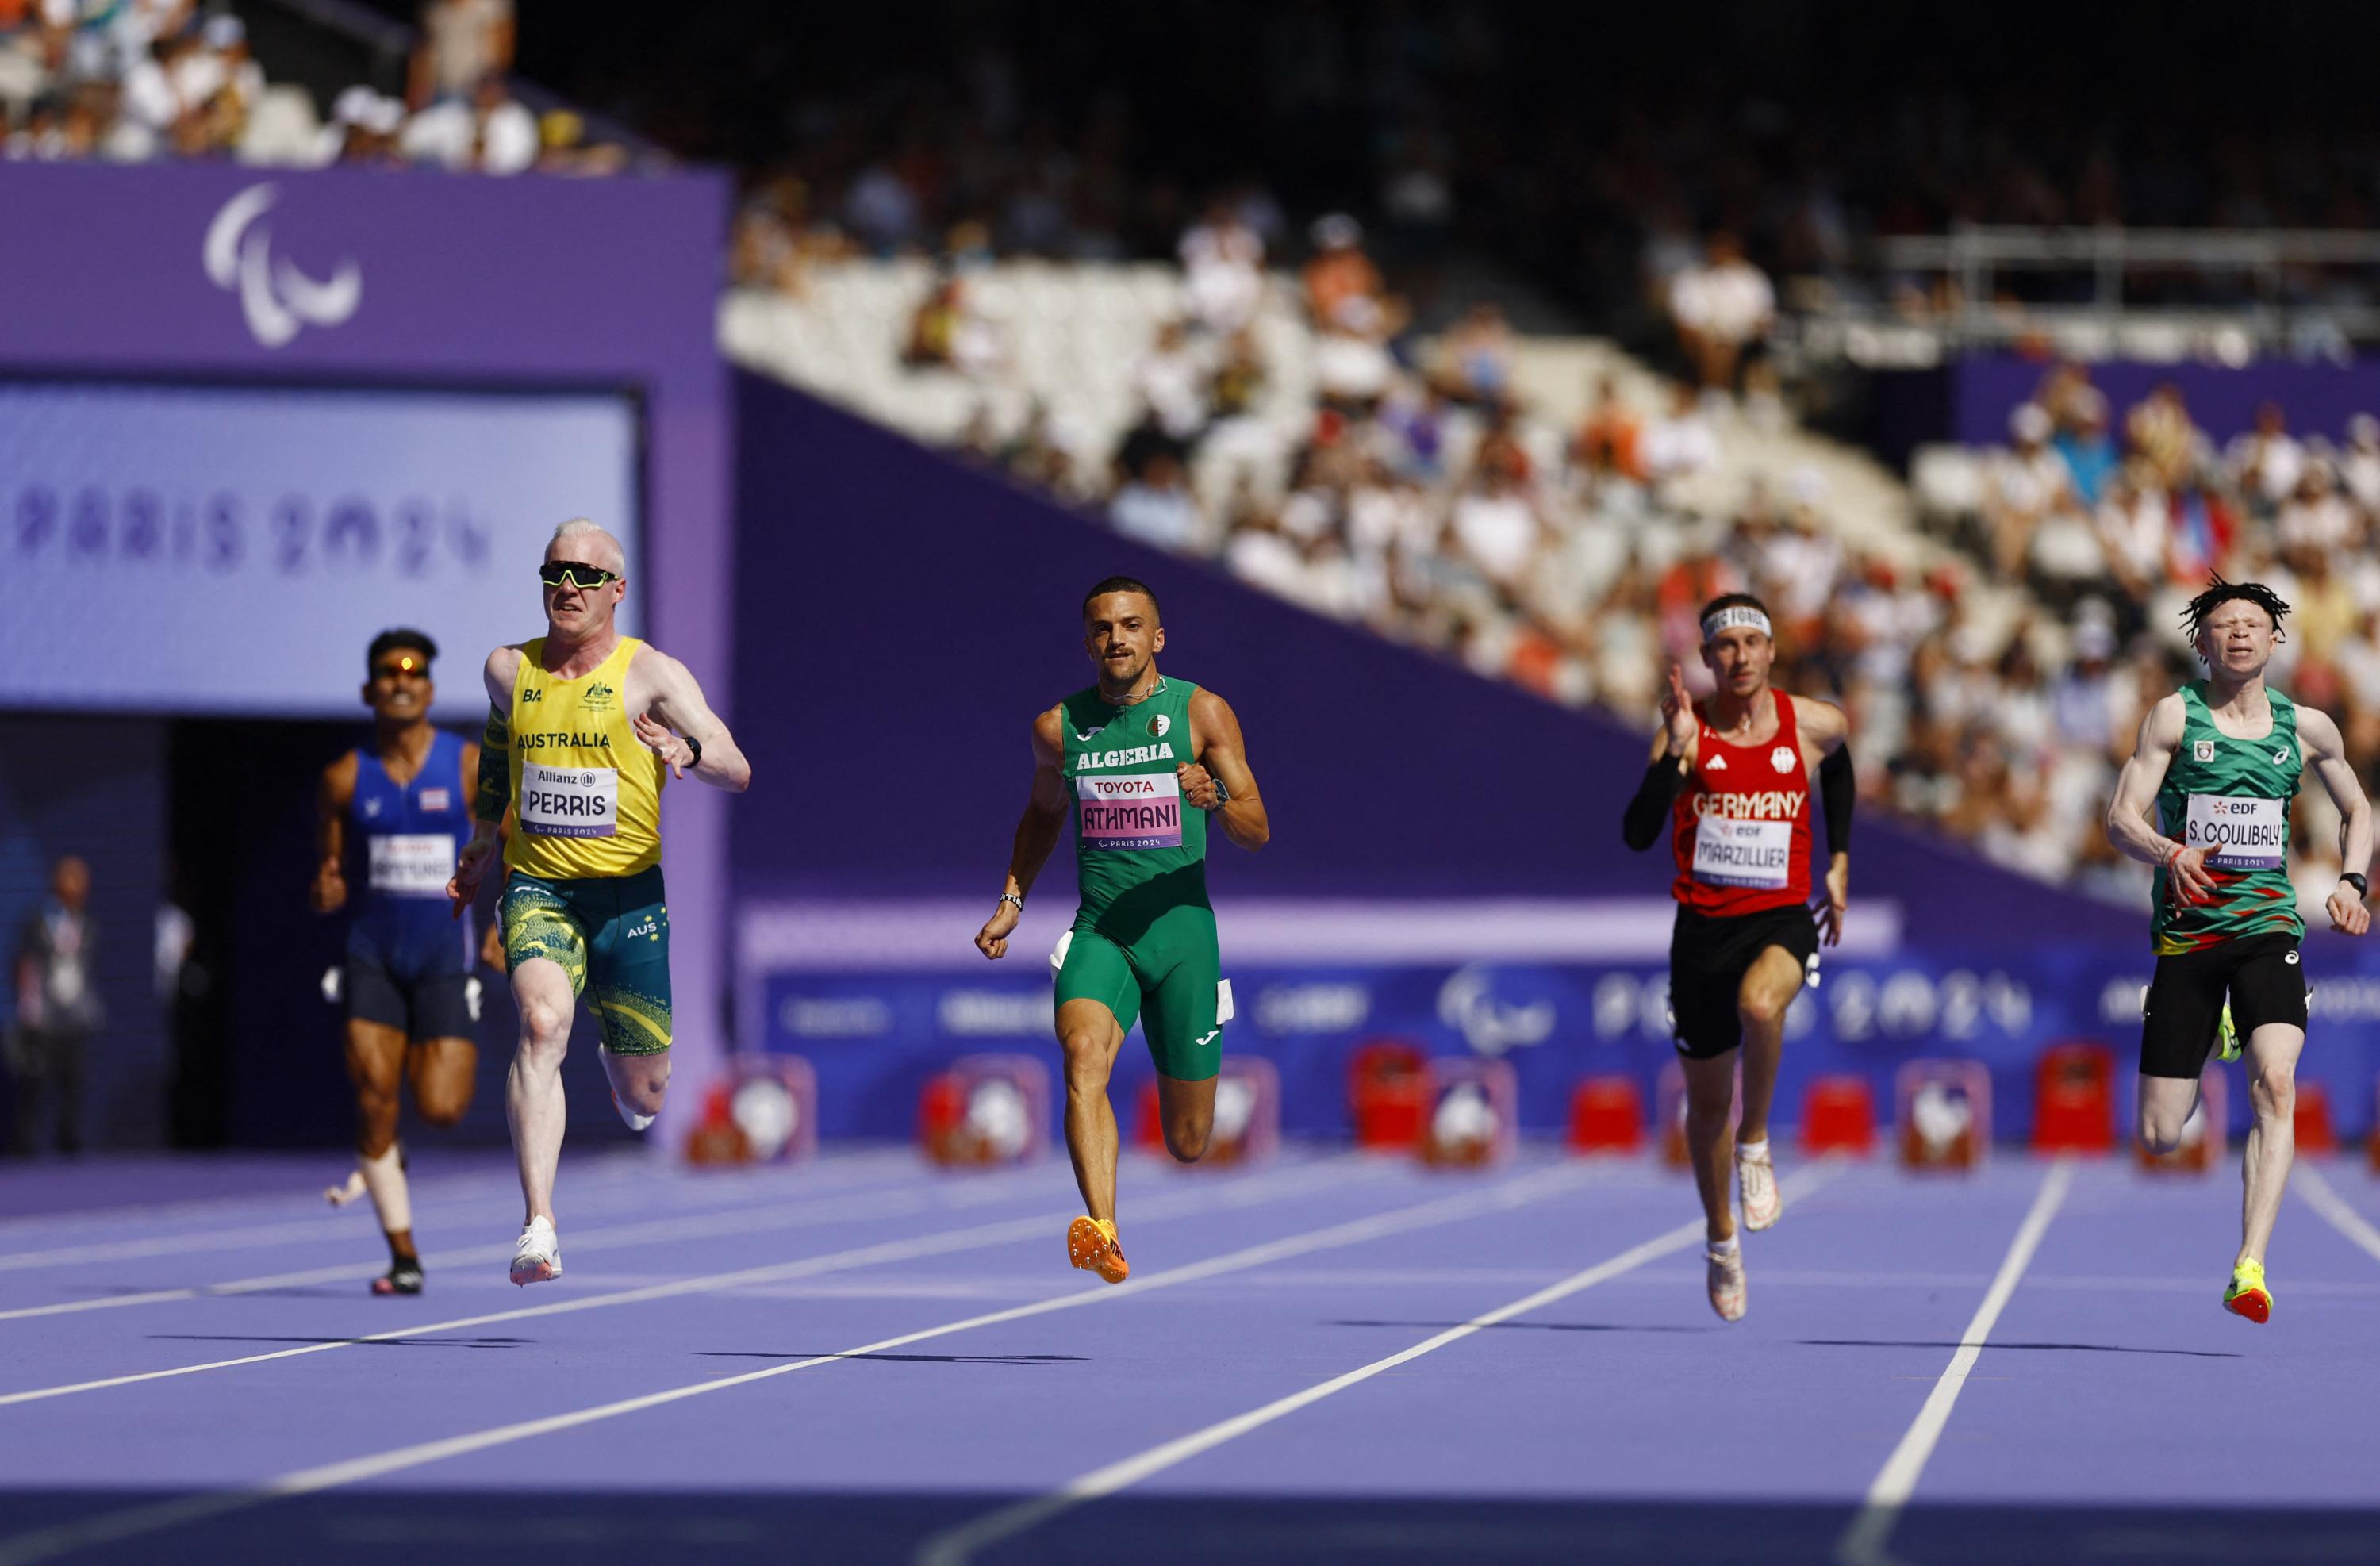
438,1005
2261,975
1708,958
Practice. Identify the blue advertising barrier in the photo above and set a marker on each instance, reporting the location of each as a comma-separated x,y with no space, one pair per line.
874,1036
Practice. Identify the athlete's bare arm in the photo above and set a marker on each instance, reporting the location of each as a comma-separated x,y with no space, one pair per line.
2325,751
1037,832
670,705
2129,827
1221,753
492,788
329,892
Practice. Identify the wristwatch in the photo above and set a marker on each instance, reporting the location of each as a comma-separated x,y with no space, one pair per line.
2362,886
1222,794
696,746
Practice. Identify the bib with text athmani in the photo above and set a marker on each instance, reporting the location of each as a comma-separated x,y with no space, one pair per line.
1139,811
569,801
412,864
1732,851
2245,832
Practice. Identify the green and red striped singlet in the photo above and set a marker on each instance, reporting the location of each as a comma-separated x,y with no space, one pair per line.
2234,794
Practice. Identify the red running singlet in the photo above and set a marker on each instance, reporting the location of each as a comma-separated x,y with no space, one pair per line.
1741,830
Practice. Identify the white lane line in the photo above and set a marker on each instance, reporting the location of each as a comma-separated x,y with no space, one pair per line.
853,1207
1862,1543
956,1545
42,1544
329,1225
1243,1193
2316,1193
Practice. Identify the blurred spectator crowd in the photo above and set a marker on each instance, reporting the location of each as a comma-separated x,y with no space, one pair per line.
2116,517
136,80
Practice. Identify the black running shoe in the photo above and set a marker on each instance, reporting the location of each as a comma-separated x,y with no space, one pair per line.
403,1278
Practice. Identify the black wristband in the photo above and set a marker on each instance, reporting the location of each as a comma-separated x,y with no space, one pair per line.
2362,886
696,746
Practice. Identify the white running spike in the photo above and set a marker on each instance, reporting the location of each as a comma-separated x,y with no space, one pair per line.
537,1258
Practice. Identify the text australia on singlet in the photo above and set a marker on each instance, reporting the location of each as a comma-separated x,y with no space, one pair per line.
1138,811
1746,839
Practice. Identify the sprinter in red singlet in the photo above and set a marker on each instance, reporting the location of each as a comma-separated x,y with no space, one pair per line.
1731,777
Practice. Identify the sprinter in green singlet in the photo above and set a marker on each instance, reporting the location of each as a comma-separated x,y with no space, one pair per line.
2220,760
1140,762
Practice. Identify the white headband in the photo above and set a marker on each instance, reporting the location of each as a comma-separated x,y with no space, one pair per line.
1736,614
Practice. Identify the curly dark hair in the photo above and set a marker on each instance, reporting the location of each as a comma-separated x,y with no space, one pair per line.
2219,592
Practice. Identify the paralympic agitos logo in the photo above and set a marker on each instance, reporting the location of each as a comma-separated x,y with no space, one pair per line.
277,299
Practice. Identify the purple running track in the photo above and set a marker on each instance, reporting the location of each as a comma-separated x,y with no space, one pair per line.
196,1371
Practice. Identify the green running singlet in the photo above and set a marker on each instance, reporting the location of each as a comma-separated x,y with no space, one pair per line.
1143,943
2234,794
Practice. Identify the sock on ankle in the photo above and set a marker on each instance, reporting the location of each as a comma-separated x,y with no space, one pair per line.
1753,1150
1721,1247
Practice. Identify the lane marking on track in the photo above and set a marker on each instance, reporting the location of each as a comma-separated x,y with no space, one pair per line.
42,1544
1862,1543
1247,1192
956,1545
2317,1193
329,1226
766,1218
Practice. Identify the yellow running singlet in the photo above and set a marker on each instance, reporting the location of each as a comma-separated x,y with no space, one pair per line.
588,791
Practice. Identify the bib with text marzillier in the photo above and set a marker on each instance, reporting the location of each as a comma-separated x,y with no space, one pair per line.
1730,851
569,801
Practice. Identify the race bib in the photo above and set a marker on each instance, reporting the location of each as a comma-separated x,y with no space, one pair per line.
1130,813
412,864
570,801
2245,834
1733,851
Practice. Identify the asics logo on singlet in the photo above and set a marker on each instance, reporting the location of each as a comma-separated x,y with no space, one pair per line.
1766,804
1131,755
2281,756
555,741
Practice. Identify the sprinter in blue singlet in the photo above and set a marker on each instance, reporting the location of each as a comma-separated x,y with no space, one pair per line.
396,813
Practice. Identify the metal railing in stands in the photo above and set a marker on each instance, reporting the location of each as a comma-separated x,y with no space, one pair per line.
2273,308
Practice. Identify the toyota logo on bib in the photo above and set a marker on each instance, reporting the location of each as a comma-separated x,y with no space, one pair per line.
277,299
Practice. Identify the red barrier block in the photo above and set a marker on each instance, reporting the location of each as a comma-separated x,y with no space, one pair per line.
2203,1135
1607,1115
1474,1112
1943,1114
2075,1100
986,1111
2316,1135
1839,1116
1388,1091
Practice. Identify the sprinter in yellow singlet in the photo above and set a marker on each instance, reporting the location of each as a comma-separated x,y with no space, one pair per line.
584,726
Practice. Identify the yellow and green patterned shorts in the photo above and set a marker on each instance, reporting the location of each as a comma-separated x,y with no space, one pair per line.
611,935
